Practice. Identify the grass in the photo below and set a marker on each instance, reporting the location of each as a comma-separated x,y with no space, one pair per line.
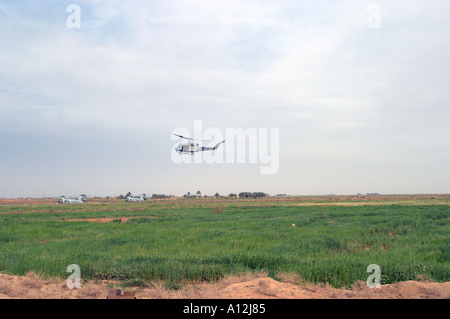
200,240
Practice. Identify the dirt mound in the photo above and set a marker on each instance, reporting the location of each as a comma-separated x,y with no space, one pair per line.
246,286
32,286
267,288
263,288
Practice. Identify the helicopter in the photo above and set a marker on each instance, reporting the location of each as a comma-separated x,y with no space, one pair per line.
136,199
79,200
193,147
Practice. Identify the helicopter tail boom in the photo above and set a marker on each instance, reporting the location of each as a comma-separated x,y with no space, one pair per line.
212,148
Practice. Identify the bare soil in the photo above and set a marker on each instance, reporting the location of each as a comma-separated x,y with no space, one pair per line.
246,286
106,220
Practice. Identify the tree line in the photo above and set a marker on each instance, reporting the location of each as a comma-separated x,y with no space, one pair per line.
198,194
231,195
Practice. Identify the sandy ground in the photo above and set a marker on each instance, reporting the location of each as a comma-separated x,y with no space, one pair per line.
248,286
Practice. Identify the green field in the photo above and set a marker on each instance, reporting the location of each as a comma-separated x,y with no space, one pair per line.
206,239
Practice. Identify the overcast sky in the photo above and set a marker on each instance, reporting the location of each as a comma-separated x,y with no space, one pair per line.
359,91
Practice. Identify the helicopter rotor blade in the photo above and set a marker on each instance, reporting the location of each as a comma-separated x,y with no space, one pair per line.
188,138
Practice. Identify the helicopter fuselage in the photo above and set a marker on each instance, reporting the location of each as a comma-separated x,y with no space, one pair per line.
188,148
64,200
192,147
136,199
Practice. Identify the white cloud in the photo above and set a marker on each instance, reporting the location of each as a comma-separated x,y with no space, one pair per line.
331,84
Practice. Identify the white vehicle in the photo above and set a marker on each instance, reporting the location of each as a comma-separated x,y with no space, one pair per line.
79,200
136,199
193,147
